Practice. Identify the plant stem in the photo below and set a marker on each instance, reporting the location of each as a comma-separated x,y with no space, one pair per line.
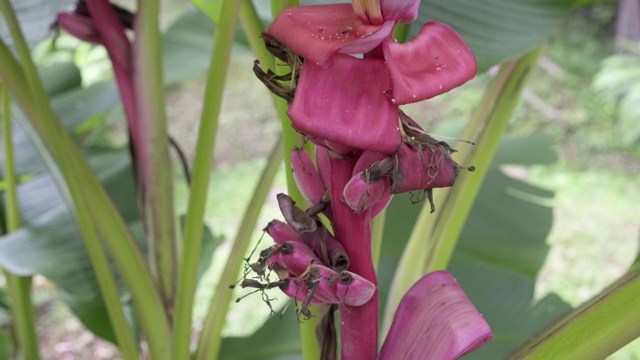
194,223
596,329
210,339
160,220
358,324
19,287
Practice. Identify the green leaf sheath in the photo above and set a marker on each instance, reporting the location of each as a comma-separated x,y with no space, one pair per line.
210,339
596,329
95,209
222,43
153,157
19,287
463,194
292,140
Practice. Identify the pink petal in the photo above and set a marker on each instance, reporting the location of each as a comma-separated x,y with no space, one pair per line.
306,176
346,103
401,11
318,32
435,320
436,61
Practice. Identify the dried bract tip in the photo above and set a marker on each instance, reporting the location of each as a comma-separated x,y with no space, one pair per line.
299,220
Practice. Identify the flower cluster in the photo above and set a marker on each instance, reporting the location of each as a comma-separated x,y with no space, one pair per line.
348,78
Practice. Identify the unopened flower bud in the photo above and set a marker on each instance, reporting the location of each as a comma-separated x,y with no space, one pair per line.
79,26
306,176
421,169
361,193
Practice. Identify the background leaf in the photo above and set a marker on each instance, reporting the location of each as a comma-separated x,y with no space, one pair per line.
496,30
36,18
187,46
277,339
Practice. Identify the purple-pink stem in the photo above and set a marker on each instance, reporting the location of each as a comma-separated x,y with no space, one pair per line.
358,324
118,46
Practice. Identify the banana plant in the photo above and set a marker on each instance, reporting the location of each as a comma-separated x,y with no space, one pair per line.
397,280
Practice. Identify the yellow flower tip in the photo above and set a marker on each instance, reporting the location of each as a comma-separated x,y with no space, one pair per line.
368,11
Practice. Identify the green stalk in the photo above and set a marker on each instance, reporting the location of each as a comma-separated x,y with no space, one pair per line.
98,258
596,329
458,206
157,182
222,43
293,140
495,108
98,207
19,287
377,230
210,339
108,288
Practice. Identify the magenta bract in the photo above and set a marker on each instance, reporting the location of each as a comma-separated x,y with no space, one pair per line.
79,26
346,103
436,320
318,32
436,61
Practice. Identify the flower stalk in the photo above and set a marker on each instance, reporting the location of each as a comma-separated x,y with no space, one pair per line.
366,148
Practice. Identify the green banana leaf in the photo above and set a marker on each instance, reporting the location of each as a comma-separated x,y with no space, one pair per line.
496,30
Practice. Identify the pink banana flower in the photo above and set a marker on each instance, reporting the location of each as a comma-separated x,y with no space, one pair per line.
353,102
